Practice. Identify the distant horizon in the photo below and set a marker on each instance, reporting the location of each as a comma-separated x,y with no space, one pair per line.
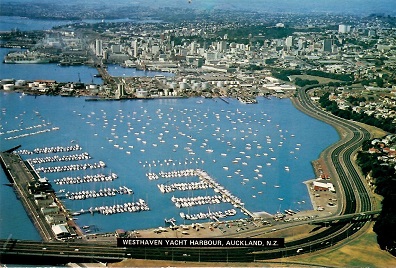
348,7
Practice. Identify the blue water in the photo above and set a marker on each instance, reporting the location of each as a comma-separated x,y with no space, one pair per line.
10,23
50,71
266,137
65,74
161,135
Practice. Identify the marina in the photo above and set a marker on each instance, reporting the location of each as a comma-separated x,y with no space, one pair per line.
96,194
205,182
76,157
209,158
85,179
70,167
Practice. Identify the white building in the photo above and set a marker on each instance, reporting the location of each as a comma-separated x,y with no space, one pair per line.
98,47
60,230
135,47
343,28
142,94
289,42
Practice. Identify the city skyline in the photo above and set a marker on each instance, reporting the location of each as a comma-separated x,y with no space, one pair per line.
188,95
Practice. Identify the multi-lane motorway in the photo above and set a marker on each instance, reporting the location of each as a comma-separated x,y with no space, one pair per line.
355,200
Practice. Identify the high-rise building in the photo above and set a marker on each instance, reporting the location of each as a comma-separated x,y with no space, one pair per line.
121,90
98,47
327,45
301,44
343,28
135,47
221,46
289,42
193,48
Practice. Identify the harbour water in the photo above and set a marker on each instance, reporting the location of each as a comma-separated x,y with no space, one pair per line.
53,71
50,71
12,23
259,153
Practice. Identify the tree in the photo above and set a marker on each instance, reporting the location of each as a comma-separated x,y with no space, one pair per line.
379,81
365,82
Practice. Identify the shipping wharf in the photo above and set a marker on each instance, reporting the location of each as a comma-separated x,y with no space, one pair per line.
22,175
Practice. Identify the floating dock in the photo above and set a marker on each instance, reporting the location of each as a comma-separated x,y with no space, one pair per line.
203,175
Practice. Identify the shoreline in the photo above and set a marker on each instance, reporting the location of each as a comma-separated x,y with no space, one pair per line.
215,231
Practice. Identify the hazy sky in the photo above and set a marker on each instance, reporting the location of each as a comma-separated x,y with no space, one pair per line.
387,7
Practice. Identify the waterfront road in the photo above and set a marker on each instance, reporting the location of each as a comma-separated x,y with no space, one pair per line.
19,175
354,194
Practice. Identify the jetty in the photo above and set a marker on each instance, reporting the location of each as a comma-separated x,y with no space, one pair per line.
206,181
235,201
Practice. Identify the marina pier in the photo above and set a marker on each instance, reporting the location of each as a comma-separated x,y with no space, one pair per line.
236,202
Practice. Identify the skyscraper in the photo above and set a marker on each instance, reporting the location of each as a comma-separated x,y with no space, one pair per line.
327,45
221,46
98,47
193,48
289,42
135,48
